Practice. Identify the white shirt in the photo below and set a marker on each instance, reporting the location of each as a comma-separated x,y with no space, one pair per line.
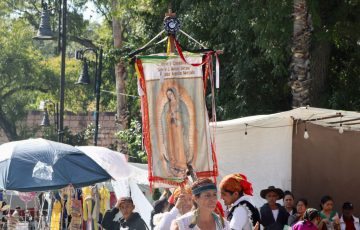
241,216
167,218
185,220
275,213
356,223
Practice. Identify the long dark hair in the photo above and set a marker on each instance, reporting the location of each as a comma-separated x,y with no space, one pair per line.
325,199
302,200
287,192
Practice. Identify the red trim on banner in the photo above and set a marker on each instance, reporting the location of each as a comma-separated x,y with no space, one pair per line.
169,182
145,119
206,76
215,165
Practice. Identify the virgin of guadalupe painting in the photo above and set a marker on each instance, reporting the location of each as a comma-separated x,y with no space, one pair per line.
175,129
175,124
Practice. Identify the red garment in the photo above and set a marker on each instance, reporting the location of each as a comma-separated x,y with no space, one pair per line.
349,224
219,209
171,199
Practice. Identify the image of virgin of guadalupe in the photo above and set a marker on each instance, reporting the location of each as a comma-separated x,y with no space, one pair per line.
175,124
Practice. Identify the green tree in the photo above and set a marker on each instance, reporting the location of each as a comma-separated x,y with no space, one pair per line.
21,74
132,137
30,69
256,39
335,54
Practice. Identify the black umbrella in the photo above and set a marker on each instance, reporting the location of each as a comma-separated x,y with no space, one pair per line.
39,164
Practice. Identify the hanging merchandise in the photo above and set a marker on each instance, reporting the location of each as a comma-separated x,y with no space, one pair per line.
11,222
76,214
27,197
91,207
49,197
104,199
56,215
42,224
96,206
174,115
87,207
66,195
76,219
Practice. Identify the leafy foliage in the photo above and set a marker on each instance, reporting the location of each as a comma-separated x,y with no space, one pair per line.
22,73
132,136
255,37
337,23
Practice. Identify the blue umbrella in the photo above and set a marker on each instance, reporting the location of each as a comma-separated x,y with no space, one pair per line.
39,165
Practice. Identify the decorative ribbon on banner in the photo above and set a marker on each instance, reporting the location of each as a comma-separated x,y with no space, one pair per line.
217,82
205,60
168,47
140,90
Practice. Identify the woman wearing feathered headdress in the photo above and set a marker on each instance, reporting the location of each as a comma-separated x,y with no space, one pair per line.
242,214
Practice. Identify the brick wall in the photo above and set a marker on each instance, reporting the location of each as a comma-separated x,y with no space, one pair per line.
75,122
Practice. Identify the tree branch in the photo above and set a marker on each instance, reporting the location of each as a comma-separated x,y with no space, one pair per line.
29,87
83,41
8,127
103,12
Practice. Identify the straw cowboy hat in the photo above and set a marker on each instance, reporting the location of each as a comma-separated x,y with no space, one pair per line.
278,191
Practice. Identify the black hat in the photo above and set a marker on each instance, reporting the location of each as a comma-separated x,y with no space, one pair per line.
278,191
348,206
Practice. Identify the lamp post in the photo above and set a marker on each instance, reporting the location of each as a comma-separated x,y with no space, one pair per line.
62,77
44,35
84,79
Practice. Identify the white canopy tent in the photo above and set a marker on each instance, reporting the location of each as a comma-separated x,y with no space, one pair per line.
264,155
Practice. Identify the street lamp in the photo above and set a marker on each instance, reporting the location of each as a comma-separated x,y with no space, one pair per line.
44,35
55,108
84,79
44,31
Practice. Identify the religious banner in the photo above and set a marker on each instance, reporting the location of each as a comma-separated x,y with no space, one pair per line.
175,120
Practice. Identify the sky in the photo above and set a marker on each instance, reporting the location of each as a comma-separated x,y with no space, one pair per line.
90,13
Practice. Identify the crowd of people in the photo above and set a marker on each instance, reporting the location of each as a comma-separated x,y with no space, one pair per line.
197,207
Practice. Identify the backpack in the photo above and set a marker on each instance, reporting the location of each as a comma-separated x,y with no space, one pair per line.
255,215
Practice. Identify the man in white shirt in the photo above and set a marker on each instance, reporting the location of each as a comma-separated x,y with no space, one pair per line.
183,204
242,214
348,221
